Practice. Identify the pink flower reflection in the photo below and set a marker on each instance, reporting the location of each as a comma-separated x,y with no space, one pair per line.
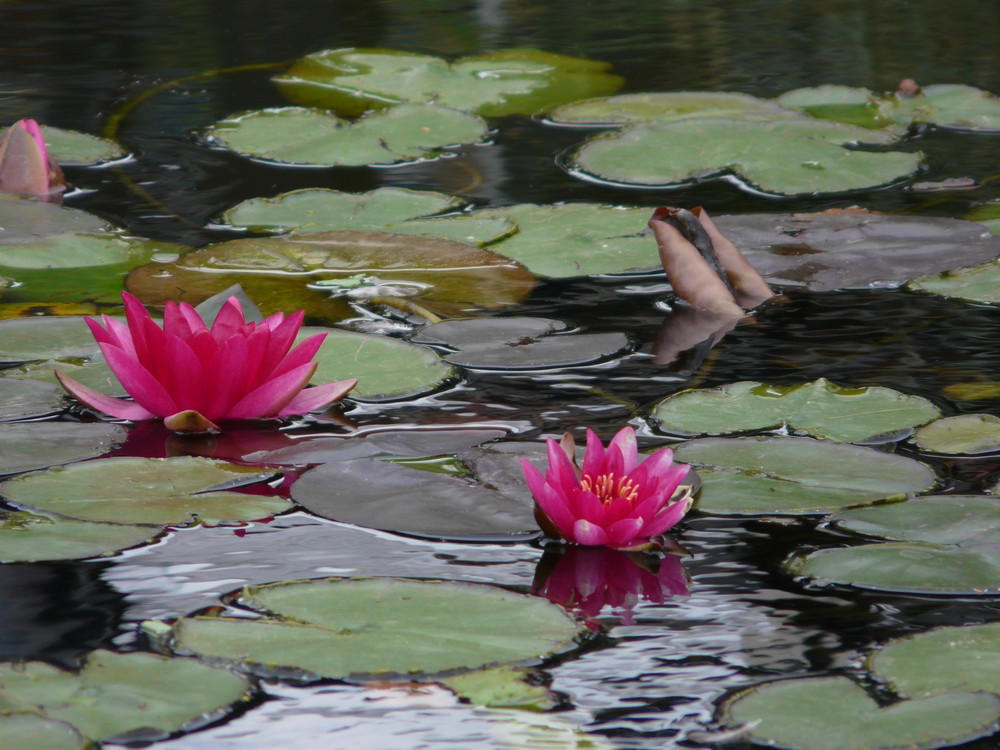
585,580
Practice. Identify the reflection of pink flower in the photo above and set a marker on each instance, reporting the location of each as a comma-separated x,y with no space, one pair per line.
194,376
612,501
25,165
584,580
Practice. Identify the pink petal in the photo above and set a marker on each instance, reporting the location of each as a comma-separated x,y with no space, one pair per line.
227,371
117,334
175,323
195,322
271,397
587,505
135,314
107,404
229,321
188,385
587,533
649,473
549,500
593,458
317,397
138,382
667,518
625,442
624,533
283,336
561,470
617,509
301,354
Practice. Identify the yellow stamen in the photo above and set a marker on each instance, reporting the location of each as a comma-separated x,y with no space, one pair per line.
609,487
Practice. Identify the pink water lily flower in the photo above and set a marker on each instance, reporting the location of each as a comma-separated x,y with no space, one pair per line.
26,168
193,376
613,501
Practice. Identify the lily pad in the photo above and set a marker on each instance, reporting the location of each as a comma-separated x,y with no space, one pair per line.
855,249
782,157
449,278
519,343
576,239
847,104
336,628
501,687
27,339
72,148
386,368
76,267
28,538
949,544
834,713
966,434
943,660
29,731
820,408
23,399
24,220
383,210
35,445
145,491
792,475
94,373
671,106
979,283
137,695
293,135
504,82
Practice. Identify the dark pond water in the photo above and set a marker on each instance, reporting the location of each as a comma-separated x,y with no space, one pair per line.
136,70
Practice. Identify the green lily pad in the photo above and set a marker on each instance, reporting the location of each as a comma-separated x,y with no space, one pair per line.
383,210
943,660
35,445
386,368
519,343
23,399
504,82
973,284
336,628
974,391
153,491
855,249
139,695
626,109
948,544
72,148
293,135
501,687
449,278
24,220
985,212
576,239
834,713
782,157
966,434
27,339
76,267
94,373
28,538
846,104
29,731
820,408
791,475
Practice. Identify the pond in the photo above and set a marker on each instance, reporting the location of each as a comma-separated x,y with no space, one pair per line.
675,639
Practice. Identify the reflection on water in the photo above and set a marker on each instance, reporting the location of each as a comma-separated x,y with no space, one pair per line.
666,657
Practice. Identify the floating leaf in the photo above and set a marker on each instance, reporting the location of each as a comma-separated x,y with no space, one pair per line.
93,373
973,284
783,157
834,713
796,475
21,399
336,628
383,210
450,278
141,695
854,249
34,445
949,544
820,408
501,687
28,538
386,368
145,491
576,239
966,434
943,660
27,339
847,104
293,135
977,391
519,343
504,82
76,267
25,220
670,106
72,148
29,731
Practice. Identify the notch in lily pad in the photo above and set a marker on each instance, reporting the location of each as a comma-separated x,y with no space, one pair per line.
820,408
351,81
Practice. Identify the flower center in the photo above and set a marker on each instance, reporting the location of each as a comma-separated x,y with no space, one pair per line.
609,487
